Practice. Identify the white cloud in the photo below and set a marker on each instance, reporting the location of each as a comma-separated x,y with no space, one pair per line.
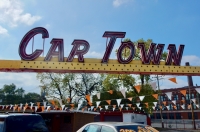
11,12
94,54
117,3
192,59
3,31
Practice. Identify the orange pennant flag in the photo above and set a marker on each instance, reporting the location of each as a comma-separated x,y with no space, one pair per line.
189,106
174,107
42,108
173,79
164,102
155,96
138,88
53,102
133,108
129,105
183,101
89,103
108,101
83,109
19,109
87,97
99,107
120,109
68,100
114,106
147,105
110,91
38,104
130,98
95,109
183,92
72,105
160,107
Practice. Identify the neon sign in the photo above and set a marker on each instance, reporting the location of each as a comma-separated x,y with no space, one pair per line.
153,54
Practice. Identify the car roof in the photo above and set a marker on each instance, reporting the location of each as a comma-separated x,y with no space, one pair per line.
116,123
2,115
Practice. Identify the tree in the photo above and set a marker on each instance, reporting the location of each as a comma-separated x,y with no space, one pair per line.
9,89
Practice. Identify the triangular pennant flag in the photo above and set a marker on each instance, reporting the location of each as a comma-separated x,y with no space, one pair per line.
147,105
174,101
110,91
38,104
173,79
153,107
133,108
139,108
53,102
164,102
175,107
89,103
97,103
48,108
114,106
31,105
92,107
169,95
130,98
113,109
197,105
101,109
68,100
77,99
126,108
118,101
138,88
198,90
167,107
123,91
87,97
129,105
106,107
189,106
183,101
11,106
194,100
120,108
89,109
141,98
60,102
79,105
183,92
121,105
35,108
160,107
153,85
45,104
72,105
98,95
183,106
63,106
108,101
155,103
155,96
138,104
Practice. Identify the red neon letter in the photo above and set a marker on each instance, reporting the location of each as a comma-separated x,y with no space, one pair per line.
26,39
120,58
151,55
52,51
172,54
76,51
113,36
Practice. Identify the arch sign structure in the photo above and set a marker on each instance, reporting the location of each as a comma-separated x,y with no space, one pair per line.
55,61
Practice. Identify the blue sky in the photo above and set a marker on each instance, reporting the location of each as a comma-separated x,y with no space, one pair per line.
168,22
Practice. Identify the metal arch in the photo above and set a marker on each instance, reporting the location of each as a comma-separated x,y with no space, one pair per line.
95,66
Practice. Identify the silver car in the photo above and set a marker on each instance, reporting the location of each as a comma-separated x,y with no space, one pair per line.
116,127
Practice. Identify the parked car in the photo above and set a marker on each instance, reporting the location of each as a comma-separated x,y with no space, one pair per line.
22,123
116,127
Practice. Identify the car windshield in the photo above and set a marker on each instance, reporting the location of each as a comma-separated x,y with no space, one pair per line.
25,123
135,128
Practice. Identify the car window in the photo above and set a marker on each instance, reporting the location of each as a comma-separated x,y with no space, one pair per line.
91,128
1,126
107,129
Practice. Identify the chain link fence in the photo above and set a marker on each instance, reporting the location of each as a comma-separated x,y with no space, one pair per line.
175,124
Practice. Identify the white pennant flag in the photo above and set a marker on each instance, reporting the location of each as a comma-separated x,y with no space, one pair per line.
126,108
198,90
118,101
45,104
11,106
113,109
121,105
141,97
106,107
31,105
183,106
3,107
77,99
101,109
48,108
79,105
98,95
153,107
169,95
194,100
97,103
138,104
139,108
123,91
167,107
155,103
153,85
197,105
63,106
174,101
35,108
66,108
21,106
92,107
89,109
